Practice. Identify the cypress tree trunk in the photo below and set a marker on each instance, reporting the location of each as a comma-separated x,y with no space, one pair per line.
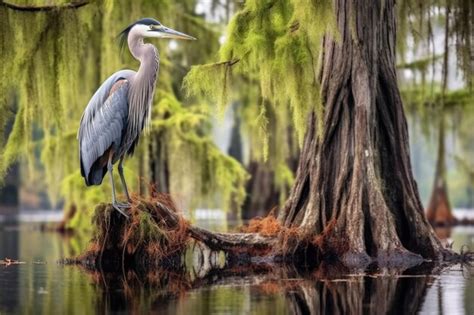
354,182
439,209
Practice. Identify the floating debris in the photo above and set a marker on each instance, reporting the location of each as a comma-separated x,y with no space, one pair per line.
9,262
39,262
42,290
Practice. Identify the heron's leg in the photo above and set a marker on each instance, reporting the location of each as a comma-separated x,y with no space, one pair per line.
122,178
117,207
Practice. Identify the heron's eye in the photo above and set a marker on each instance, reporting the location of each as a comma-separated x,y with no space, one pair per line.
155,27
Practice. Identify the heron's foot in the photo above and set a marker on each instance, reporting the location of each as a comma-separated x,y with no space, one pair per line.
124,205
121,207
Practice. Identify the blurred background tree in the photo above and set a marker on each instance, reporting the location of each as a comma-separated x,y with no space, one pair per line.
437,88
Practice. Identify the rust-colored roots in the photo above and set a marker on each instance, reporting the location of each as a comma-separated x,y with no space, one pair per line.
267,226
292,241
329,242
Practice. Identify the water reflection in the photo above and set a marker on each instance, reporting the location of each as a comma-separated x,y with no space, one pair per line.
51,288
373,294
279,290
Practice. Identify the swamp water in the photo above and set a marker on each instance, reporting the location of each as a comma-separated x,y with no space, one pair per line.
42,286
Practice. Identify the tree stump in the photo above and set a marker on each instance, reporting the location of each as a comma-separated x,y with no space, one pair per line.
157,235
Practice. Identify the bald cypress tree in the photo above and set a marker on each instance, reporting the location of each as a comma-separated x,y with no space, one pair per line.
333,63
354,180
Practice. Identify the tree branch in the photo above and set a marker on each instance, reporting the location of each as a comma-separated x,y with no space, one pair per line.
32,8
228,63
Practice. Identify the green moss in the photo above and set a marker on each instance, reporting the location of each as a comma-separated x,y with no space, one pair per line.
15,145
201,80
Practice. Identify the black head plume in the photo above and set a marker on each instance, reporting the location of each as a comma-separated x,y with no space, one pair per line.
123,35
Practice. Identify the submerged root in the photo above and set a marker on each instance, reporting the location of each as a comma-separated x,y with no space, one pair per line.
465,257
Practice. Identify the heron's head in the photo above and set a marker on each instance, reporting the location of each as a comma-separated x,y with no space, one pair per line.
149,27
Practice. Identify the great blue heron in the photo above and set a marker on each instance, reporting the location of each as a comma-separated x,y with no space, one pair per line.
119,110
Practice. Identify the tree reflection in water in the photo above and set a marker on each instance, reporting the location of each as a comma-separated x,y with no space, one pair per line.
375,292
328,289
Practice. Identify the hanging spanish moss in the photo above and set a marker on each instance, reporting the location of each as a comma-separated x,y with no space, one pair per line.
59,58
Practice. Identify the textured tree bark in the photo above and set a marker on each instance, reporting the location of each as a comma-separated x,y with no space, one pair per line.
354,181
439,208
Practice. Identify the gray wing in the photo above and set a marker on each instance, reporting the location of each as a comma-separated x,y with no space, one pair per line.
102,125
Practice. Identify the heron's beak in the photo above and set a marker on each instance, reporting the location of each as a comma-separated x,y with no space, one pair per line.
166,32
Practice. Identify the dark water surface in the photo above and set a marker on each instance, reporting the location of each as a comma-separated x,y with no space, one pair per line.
41,286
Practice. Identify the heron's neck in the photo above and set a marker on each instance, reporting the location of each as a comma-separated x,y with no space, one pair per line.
147,54
142,86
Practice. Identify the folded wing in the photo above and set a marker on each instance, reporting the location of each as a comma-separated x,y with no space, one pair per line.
102,127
